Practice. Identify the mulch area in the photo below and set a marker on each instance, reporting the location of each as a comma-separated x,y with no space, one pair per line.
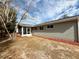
64,41
61,40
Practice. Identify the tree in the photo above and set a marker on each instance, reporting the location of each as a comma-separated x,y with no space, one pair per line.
65,16
7,18
12,21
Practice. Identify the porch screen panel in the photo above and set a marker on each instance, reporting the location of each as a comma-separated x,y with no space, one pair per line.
28,30
24,30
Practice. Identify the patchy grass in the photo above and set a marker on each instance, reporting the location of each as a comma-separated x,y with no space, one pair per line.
37,48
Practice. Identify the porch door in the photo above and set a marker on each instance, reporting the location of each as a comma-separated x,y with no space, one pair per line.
28,30
24,30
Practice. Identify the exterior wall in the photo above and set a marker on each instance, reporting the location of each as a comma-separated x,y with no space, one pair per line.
23,31
27,34
65,30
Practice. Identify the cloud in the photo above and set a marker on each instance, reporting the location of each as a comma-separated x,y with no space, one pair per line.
46,10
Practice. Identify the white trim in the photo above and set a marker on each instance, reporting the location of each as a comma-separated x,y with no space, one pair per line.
26,32
22,31
16,29
30,30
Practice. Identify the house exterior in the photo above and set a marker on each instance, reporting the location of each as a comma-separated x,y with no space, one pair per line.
65,29
24,29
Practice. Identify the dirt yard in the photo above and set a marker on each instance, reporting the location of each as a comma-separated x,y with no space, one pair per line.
37,48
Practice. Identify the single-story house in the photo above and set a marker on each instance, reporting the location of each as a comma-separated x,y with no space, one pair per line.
24,29
65,29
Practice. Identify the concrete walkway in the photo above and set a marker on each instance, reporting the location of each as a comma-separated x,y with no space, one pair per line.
37,48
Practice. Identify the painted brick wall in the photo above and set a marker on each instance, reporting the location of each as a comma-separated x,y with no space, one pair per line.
65,30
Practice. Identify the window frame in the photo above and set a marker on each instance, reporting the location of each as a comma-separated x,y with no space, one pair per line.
50,26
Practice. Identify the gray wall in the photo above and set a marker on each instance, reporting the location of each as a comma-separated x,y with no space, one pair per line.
65,30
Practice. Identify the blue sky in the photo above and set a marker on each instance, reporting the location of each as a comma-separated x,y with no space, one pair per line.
45,10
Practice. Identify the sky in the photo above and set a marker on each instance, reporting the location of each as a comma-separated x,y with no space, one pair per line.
40,11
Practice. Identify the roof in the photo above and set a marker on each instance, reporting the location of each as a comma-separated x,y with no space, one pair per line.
59,20
25,25
53,21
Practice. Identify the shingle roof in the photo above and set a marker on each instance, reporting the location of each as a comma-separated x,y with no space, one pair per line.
59,20
52,22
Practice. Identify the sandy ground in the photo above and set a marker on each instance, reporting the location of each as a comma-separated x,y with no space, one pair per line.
37,48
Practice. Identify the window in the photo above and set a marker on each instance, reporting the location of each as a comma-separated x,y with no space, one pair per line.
41,28
50,26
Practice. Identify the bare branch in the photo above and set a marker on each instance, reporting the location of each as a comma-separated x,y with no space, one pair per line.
5,26
26,12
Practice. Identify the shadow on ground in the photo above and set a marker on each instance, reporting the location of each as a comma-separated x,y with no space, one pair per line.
3,36
5,45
